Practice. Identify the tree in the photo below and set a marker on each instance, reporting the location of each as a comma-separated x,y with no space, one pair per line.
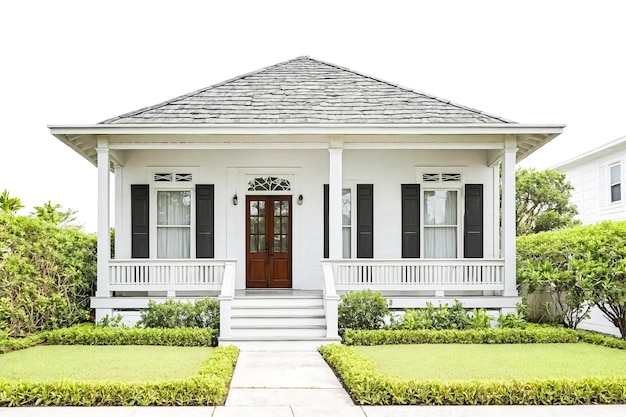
542,201
9,204
55,214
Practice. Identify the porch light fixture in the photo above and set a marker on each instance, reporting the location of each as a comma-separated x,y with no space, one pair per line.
300,199
235,199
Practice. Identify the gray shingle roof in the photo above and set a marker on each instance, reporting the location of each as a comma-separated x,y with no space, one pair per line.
305,91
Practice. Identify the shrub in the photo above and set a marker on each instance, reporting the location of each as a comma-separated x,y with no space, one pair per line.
203,313
362,310
47,274
209,387
531,334
87,334
366,385
443,318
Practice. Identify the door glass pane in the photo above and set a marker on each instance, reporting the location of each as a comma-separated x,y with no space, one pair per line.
285,243
261,243
276,225
253,244
276,208
277,243
285,223
261,208
254,208
285,208
262,224
254,225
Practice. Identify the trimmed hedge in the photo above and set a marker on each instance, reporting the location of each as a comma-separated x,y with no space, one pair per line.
530,334
95,335
10,344
208,388
366,385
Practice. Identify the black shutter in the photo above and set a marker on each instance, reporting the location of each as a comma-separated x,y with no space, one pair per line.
140,221
365,221
473,241
205,221
326,222
410,220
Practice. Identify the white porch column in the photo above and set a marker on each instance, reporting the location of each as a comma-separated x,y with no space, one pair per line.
508,215
104,244
335,185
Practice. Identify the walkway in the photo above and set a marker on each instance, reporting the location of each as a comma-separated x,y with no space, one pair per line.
300,384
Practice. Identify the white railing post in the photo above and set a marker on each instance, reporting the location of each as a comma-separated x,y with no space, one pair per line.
226,299
331,302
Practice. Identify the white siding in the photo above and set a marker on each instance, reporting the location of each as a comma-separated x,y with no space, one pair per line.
228,170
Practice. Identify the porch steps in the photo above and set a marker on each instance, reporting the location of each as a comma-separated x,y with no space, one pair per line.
275,321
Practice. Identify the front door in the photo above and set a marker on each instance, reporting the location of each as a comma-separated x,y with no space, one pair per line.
268,243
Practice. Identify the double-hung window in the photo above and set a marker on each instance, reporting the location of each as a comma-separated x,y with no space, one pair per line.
346,222
616,182
173,224
440,223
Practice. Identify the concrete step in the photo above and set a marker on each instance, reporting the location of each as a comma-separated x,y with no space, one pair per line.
254,321
238,311
275,302
271,331
278,343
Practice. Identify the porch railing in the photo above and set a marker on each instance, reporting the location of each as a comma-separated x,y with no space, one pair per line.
166,275
417,274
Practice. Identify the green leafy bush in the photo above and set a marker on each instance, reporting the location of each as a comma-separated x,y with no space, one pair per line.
203,313
531,334
209,387
366,385
362,310
442,317
87,334
578,268
47,274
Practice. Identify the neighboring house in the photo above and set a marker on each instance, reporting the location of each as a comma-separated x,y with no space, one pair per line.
282,188
597,178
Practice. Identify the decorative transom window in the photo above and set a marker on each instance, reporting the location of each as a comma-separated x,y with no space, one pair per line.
172,177
269,184
441,177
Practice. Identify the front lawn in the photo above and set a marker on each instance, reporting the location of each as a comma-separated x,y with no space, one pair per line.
129,364
454,362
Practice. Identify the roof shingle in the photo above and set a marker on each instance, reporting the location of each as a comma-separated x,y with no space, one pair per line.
305,91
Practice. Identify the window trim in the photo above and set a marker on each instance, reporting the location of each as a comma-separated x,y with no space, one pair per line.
460,204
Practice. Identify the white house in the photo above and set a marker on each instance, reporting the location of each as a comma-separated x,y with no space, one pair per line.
279,189
597,178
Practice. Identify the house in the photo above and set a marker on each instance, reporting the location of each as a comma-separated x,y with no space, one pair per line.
278,190
597,178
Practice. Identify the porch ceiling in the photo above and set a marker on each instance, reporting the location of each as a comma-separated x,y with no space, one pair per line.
84,138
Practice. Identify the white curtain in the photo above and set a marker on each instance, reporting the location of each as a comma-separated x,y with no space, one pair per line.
173,224
440,224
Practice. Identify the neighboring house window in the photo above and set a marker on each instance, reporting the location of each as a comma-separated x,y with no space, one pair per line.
173,224
440,223
616,182
346,222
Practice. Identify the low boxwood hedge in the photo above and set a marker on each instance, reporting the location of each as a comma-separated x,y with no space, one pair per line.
209,387
366,385
529,334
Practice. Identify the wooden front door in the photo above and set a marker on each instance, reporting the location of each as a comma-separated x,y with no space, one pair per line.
268,242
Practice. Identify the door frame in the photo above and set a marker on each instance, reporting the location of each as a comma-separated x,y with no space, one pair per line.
269,238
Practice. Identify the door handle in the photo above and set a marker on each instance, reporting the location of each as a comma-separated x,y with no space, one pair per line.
267,253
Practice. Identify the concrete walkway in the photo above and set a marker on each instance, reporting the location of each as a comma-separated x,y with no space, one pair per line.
300,384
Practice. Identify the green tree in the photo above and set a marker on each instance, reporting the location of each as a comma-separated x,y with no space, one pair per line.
9,204
543,201
54,213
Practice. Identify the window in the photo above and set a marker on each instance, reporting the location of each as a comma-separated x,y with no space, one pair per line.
173,224
346,222
440,223
616,182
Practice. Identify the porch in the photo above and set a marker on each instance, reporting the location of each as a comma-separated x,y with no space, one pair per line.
303,318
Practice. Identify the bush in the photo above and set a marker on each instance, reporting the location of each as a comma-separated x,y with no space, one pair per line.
203,313
209,387
47,274
362,310
443,318
366,385
578,267
531,334
87,334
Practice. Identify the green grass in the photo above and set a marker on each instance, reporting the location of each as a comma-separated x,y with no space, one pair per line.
130,364
456,362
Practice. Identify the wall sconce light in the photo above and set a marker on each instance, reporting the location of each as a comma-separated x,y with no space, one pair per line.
235,199
300,199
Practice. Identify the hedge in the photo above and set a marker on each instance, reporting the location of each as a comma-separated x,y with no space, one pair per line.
530,334
95,335
366,385
208,388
